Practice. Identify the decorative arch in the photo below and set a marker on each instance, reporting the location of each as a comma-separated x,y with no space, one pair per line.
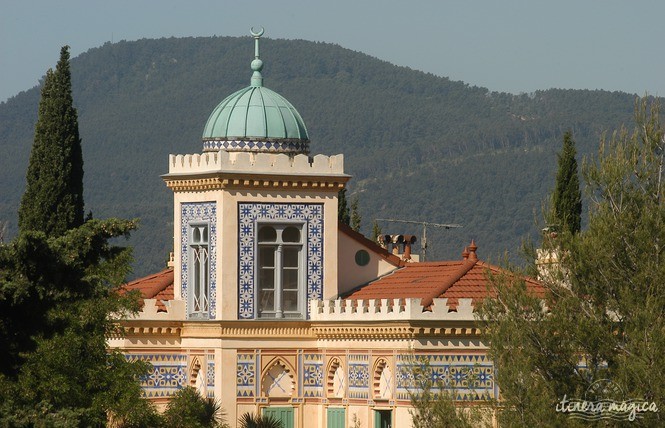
384,380
197,379
278,380
336,379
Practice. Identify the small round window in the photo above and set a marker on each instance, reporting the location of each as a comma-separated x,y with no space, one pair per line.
362,258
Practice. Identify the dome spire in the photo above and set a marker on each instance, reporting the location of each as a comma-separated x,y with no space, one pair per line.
257,64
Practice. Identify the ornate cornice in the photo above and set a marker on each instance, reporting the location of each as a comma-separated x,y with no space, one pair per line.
297,330
184,183
149,328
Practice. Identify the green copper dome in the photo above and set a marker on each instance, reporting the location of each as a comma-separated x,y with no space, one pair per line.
256,119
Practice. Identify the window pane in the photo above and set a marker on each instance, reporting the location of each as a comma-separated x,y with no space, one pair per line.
291,256
204,234
290,279
290,300
266,279
267,234
196,235
291,234
266,256
197,280
266,300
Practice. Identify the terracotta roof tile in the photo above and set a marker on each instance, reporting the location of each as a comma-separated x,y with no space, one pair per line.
157,286
467,278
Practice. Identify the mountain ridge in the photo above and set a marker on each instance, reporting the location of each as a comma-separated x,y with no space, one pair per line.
419,146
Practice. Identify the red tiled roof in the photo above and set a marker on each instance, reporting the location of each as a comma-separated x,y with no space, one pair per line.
157,286
466,278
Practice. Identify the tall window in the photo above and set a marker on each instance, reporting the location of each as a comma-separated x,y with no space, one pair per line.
280,275
200,271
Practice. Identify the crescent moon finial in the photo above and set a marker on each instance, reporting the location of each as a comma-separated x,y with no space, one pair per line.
256,34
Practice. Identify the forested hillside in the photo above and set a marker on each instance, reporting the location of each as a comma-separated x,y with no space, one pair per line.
420,147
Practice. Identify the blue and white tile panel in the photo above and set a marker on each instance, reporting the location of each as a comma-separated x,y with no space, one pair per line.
468,377
192,212
246,374
312,375
257,146
210,376
249,215
168,375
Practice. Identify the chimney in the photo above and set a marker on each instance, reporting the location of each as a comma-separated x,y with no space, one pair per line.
408,241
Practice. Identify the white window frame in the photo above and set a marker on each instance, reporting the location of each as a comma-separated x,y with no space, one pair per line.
278,311
199,271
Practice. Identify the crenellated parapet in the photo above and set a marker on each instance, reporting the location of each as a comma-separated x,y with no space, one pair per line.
256,163
175,311
390,310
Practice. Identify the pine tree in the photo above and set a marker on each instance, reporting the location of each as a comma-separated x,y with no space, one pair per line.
567,198
356,218
53,200
601,317
343,214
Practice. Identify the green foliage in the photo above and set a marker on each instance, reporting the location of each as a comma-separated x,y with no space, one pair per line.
356,218
53,200
188,408
605,300
343,214
376,231
567,198
250,420
434,405
57,298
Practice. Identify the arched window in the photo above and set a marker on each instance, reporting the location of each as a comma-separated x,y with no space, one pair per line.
197,377
278,381
280,276
199,300
336,381
384,381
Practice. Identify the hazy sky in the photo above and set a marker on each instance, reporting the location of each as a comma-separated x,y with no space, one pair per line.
504,45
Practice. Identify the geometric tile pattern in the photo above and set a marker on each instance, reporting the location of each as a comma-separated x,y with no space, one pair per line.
358,379
210,376
249,214
168,375
312,375
197,212
257,146
245,375
468,377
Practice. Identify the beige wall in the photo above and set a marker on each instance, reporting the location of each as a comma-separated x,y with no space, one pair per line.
352,275
227,238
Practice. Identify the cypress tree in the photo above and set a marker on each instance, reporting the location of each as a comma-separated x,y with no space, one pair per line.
343,214
53,200
567,198
376,231
356,218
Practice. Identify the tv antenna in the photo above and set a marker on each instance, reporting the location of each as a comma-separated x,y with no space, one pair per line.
423,238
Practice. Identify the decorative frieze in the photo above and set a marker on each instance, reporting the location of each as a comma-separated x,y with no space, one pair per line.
168,375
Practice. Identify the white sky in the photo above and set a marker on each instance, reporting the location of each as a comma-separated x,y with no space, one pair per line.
504,45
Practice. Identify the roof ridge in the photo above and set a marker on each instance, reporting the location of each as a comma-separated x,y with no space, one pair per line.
466,266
